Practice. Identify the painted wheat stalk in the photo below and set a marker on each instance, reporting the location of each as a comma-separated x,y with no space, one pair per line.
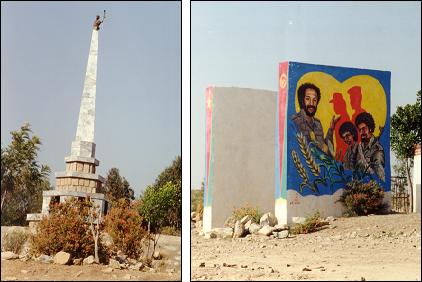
300,168
310,161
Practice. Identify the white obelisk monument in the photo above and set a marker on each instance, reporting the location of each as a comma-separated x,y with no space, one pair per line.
80,179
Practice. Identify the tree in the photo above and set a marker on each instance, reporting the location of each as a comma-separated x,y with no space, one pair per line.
405,134
117,187
22,178
95,225
163,206
172,173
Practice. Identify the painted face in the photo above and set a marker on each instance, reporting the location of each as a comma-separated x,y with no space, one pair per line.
311,101
365,133
348,138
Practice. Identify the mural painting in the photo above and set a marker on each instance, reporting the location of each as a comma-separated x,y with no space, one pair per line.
332,127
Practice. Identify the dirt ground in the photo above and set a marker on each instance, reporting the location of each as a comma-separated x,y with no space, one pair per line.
169,247
375,247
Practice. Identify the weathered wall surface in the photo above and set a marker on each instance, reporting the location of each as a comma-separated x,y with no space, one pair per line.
417,181
316,106
239,152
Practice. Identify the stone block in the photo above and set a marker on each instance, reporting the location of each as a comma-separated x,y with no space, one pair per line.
79,167
83,149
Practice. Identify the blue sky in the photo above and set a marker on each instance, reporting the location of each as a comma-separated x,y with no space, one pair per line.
44,52
240,44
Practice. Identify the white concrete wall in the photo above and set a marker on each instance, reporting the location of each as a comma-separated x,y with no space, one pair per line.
243,128
417,183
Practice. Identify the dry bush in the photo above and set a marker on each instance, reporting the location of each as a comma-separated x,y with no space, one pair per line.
65,229
311,224
13,241
170,230
239,213
123,224
362,198
200,210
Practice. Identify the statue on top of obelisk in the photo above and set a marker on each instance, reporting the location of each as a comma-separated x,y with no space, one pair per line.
97,22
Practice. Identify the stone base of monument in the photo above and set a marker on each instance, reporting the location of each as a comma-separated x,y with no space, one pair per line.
101,204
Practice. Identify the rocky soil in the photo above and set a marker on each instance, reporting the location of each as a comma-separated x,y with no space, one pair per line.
375,247
168,267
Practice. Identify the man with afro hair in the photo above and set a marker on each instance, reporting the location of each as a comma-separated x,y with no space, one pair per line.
370,151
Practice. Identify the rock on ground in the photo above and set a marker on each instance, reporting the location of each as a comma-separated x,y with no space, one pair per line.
268,219
62,258
9,255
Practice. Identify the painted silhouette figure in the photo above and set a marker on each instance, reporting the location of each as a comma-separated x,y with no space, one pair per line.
355,101
339,106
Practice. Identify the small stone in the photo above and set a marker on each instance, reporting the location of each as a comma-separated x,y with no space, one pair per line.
223,233
89,260
202,264
288,265
239,230
306,269
270,270
265,230
281,227
44,258
283,234
254,228
244,266
210,235
268,219
8,255
114,264
193,216
245,219
62,258
77,261
24,271
137,266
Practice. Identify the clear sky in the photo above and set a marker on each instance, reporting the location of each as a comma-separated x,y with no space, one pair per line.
44,52
241,44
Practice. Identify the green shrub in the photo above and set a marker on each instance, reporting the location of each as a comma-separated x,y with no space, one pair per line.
239,213
123,225
14,241
312,223
162,206
362,198
65,229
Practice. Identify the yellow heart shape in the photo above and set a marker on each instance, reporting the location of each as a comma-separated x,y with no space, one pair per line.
373,97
